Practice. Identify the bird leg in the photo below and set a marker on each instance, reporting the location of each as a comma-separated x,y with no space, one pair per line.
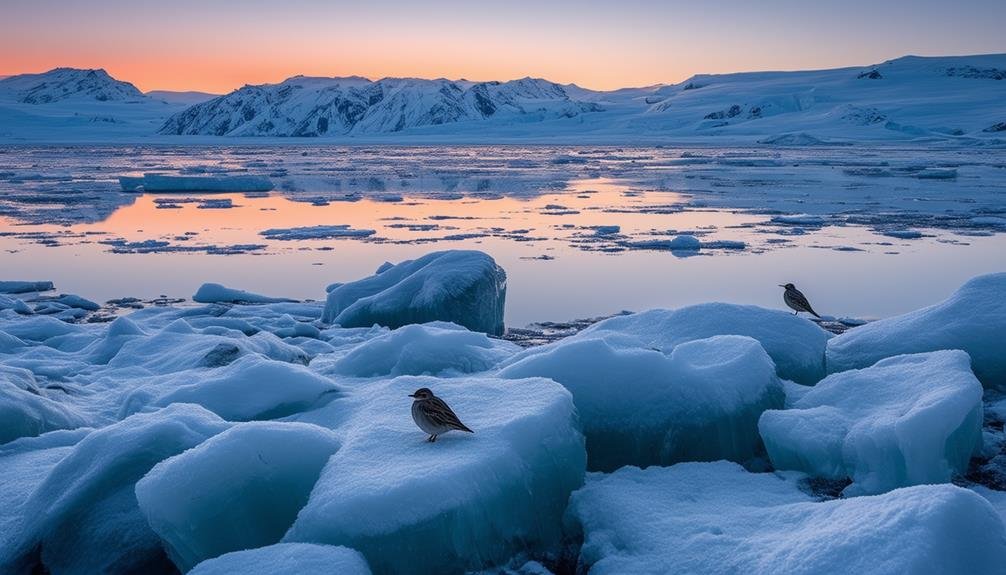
430,439
433,439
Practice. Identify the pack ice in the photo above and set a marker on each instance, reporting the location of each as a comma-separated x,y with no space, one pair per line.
638,406
972,319
717,518
906,420
293,558
464,287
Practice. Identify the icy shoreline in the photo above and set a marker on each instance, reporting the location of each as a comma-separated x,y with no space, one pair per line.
161,439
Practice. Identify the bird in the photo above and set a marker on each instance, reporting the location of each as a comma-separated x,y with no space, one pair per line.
434,416
797,301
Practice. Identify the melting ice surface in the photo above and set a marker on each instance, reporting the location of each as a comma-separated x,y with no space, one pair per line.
645,227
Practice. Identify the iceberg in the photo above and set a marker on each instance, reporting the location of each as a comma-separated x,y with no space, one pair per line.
292,558
972,319
17,287
436,348
641,407
796,345
460,286
907,420
716,518
216,293
84,516
465,502
238,490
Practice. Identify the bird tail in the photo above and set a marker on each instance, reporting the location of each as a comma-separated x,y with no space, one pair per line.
463,427
814,313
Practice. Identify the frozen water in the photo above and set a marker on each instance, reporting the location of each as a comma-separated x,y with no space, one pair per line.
238,490
464,287
216,293
796,345
907,420
292,558
165,183
716,518
84,515
467,501
700,402
972,319
428,349
24,287
316,233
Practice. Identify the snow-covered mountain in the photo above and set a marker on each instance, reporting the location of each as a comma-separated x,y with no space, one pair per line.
189,98
959,98
69,104
910,96
302,106
68,83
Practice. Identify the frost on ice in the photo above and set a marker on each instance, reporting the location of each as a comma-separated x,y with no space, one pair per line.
464,287
907,420
716,518
972,319
701,402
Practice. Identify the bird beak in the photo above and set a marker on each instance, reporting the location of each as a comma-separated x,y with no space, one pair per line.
412,395
780,285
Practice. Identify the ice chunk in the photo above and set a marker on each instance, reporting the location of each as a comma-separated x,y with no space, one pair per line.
322,232
907,420
292,558
26,412
716,518
464,502
164,183
24,287
216,293
460,286
238,490
796,345
640,407
972,319
252,387
16,305
84,516
428,349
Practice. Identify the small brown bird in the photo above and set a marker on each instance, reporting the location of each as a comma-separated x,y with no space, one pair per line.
797,301
434,416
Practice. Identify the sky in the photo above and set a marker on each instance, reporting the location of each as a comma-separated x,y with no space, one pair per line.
220,45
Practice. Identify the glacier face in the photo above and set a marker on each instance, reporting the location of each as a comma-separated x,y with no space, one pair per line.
302,106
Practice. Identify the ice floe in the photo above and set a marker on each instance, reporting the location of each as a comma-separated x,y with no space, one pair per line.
907,420
293,558
716,518
460,286
973,319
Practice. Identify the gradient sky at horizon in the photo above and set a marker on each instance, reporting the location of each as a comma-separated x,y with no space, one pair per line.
217,46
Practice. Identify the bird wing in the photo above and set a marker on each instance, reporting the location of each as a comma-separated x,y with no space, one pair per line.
441,414
801,300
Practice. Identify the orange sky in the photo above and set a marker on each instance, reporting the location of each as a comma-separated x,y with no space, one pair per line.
220,45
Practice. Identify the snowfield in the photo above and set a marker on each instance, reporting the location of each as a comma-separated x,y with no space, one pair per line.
262,435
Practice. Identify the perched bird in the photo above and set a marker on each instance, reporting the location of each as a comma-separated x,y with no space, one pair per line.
797,301
434,416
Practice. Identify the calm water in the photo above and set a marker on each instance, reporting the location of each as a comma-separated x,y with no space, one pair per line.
545,214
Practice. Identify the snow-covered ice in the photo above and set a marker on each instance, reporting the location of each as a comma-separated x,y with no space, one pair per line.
427,349
638,406
713,518
460,286
907,420
292,558
467,501
216,293
972,319
796,345
238,490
